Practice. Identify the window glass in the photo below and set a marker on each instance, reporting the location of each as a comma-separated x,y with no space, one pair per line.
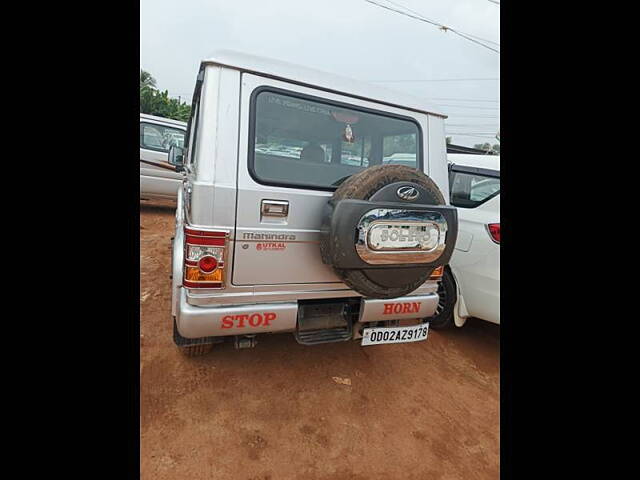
158,137
356,153
400,149
301,142
193,125
470,190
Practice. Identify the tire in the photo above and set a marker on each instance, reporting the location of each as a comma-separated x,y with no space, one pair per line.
193,347
358,281
443,319
196,350
362,186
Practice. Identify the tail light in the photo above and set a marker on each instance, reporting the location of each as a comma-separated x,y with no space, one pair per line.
205,251
494,231
437,273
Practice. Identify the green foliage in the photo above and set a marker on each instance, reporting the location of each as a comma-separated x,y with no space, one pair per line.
146,79
448,140
155,102
487,147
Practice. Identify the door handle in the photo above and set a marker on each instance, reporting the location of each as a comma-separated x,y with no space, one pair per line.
274,208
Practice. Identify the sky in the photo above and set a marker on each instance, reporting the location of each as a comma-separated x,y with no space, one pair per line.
352,38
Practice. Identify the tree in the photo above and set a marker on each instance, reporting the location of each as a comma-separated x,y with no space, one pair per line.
448,140
146,79
487,147
155,102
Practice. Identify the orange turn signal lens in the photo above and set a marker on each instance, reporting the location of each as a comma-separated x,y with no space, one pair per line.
437,273
193,274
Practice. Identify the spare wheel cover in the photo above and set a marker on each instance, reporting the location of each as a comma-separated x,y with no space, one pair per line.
406,221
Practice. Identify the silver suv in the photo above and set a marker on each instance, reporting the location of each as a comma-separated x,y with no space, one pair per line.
290,220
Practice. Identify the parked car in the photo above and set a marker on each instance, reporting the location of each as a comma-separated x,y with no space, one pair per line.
158,179
408,159
322,245
470,286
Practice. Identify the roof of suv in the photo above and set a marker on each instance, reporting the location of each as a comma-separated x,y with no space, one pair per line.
490,162
318,79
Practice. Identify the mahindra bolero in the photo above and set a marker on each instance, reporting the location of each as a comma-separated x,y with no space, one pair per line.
294,215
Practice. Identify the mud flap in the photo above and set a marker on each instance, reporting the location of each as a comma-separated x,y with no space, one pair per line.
181,341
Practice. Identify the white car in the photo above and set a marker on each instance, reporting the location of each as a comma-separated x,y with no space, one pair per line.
470,286
408,159
158,179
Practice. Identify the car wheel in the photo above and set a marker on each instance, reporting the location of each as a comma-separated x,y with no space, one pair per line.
190,347
448,296
196,350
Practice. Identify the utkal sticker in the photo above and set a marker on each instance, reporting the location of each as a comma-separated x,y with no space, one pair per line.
271,246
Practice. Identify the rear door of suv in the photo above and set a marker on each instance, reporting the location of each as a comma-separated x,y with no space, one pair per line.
297,144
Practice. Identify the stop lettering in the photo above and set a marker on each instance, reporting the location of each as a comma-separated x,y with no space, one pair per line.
251,320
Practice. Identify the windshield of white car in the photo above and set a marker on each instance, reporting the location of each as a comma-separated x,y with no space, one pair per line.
470,190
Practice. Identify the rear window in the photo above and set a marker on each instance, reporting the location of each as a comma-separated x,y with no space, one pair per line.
303,142
469,190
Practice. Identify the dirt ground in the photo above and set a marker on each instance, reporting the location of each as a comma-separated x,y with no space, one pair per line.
424,410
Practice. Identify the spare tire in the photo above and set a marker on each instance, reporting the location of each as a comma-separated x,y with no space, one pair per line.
395,204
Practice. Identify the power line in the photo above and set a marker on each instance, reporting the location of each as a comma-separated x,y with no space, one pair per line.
472,116
469,125
475,134
474,129
484,39
477,129
472,107
439,25
437,79
472,136
466,99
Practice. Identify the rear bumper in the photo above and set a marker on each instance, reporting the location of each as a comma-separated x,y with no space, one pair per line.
195,321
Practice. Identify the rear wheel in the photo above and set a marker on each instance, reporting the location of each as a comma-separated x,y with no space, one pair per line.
193,347
443,318
196,350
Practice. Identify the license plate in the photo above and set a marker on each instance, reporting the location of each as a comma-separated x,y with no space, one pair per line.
380,335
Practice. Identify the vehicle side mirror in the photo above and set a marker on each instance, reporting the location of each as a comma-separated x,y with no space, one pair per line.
176,157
